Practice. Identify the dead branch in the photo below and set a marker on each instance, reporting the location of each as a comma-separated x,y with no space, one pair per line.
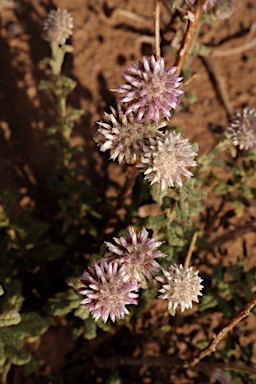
157,28
193,22
244,312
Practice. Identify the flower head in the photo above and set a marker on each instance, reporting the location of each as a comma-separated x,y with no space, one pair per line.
58,26
137,252
180,286
151,89
123,135
108,288
242,129
224,9
166,159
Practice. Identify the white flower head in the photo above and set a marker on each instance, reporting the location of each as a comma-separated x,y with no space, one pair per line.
180,286
166,159
58,26
242,129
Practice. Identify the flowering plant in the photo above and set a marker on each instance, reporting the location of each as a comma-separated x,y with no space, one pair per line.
132,238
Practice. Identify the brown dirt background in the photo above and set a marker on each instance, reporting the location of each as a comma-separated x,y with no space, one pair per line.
106,38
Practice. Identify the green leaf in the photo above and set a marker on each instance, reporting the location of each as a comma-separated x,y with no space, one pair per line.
106,327
12,298
75,282
156,223
33,325
17,356
207,301
238,207
90,331
2,354
224,287
53,129
191,97
202,344
67,84
157,193
9,318
221,189
46,61
247,191
82,312
45,84
68,48
31,366
59,306
12,336
76,114
114,378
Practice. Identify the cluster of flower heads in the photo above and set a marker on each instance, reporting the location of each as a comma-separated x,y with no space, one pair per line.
242,129
113,283
58,26
132,132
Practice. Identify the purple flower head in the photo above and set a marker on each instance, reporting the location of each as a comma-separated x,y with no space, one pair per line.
180,286
137,253
151,89
123,135
166,159
58,26
242,129
108,288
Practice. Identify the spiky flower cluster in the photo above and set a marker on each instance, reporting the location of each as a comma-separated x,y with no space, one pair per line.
166,159
132,132
180,286
137,252
123,135
242,129
111,284
58,26
107,290
151,89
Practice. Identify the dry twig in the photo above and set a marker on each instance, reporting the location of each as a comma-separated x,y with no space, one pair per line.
244,312
157,28
190,250
231,51
193,22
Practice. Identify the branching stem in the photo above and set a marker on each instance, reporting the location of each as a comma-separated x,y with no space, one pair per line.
193,22
244,312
